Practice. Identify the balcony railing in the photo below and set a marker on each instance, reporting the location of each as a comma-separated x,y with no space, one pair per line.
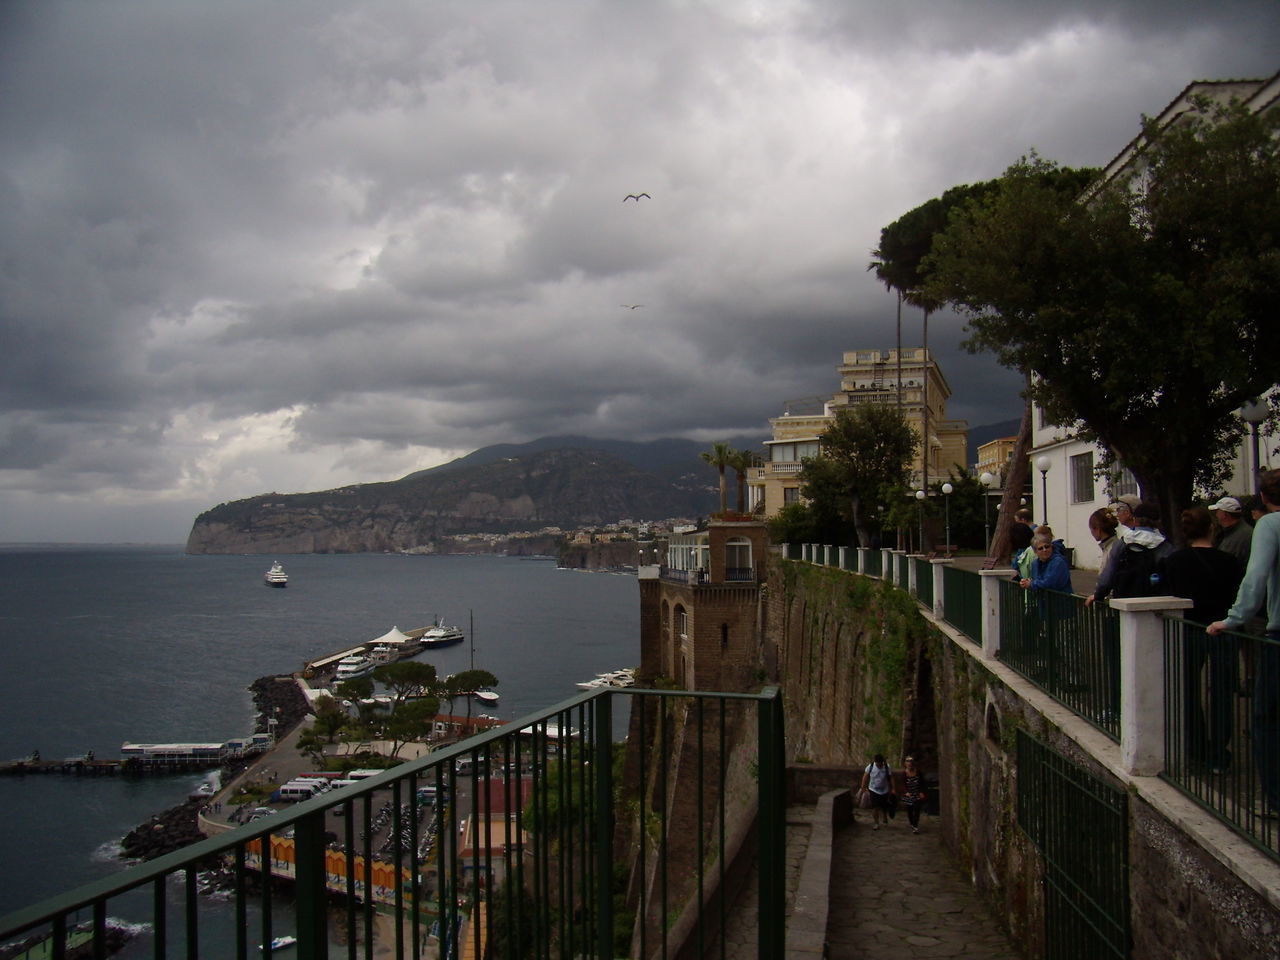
528,840
962,601
1222,726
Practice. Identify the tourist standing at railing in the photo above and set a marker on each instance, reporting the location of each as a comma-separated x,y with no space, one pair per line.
1133,569
1261,584
1049,569
1102,527
1234,533
1020,540
1123,508
1208,577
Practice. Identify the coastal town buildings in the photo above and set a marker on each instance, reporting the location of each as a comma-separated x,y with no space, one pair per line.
1067,473
909,378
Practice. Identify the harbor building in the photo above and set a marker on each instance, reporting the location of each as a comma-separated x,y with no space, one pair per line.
909,378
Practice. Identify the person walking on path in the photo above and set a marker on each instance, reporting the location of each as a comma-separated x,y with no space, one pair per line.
877,780
1261,584
912,792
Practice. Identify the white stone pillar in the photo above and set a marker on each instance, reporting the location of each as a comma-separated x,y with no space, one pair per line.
913,587
886,564
991,580
1142,681
939,591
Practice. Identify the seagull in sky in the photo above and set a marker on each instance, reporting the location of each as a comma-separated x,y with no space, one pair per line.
636,197
632,306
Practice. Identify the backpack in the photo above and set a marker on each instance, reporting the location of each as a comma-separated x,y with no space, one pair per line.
1139,570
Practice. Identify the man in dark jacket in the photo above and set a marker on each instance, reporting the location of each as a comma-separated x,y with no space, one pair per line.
1234,534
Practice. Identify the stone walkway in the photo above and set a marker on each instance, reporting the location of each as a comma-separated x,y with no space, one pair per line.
916,903
897,894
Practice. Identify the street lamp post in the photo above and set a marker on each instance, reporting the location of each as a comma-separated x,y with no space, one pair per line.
1043,464
1253,413
987,479
946,490
920,515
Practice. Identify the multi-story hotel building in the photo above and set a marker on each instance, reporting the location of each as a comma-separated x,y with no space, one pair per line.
910,378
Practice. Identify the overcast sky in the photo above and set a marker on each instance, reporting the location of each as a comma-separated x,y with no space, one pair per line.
286,246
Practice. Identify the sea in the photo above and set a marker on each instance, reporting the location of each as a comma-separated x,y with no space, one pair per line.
106,644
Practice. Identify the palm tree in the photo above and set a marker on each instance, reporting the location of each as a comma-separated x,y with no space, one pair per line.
740,461
719,456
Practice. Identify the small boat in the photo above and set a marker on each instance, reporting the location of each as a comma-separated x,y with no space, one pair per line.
276,577
279,943
438,635
611,678
485,696
349,668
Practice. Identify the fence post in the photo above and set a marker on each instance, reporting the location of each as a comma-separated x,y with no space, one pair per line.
886,564
602,749
309,889
862,559
1142,681
991,580
843,559
939,587
771,851
913,586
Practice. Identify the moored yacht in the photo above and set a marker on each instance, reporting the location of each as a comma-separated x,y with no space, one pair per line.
438,635
353,666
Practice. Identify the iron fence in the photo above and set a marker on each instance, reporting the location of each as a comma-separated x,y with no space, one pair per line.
1222,726
962,601
924,581
872,563
902,570
534,839
1069,650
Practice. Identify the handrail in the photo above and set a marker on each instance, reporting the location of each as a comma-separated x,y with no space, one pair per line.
570,821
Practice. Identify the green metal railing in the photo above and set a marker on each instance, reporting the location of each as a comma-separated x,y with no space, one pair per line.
534,839
1069,650
962,601
873,561
1080,826
1222,726
902,570
924,581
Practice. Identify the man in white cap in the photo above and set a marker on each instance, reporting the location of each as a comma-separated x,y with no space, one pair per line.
1235,536
1122,507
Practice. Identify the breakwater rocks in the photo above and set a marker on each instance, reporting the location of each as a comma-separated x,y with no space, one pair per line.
278,698
163,833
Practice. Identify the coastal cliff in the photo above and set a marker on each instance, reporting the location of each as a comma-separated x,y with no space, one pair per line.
567,487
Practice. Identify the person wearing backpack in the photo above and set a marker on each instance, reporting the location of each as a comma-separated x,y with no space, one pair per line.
1134,568
877,781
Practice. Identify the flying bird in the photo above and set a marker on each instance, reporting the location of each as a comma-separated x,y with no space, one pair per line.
636,197
632,306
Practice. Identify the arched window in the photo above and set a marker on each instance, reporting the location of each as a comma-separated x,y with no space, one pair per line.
682,623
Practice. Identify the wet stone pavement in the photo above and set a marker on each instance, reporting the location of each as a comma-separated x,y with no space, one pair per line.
893,894
897,894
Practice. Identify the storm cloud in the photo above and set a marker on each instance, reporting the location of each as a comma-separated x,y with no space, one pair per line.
249,247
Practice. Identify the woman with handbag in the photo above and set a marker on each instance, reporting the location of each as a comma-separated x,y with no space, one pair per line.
877,783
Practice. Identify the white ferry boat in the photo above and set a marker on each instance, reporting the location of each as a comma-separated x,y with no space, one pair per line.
276,577
438,635
356,665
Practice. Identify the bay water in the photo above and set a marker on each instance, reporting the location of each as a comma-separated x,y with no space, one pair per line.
100,645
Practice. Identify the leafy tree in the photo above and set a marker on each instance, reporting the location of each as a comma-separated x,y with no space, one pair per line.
826,499
866,450
355,689
406,677
468,682
1145,310
719,456
409,721
311,744
330,718
900,263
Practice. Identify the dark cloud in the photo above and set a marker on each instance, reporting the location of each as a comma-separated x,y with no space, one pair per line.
247,247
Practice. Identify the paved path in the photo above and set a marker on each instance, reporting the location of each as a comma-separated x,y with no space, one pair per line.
917,904
896,894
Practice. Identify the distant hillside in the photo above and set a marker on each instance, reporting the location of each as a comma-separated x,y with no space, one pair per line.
499,489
